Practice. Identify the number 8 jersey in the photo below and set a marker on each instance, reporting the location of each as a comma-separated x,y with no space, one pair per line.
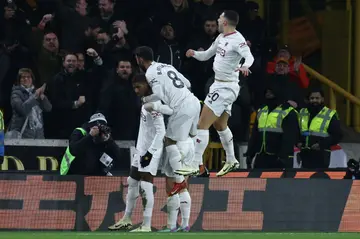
169,85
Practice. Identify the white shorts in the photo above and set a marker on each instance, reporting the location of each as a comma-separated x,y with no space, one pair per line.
153,167
184,120
187,151
221,96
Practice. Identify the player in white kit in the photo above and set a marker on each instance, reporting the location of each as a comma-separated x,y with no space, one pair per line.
229,48
182,200
171,87
144,167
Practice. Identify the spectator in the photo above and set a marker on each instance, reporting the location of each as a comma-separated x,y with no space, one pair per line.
169,51
292,92
72,36
67,92
199,72
119,103
201,9
28,105
320,129
275,132
47,60
178,13
296,69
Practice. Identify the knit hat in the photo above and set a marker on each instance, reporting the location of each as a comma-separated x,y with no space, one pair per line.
97,117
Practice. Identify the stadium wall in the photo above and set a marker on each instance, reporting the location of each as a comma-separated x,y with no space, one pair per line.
75,203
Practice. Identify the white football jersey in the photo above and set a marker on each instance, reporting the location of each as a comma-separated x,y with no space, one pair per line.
151,132
229,49
169,85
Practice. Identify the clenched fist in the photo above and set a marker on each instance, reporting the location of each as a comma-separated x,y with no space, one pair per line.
190,53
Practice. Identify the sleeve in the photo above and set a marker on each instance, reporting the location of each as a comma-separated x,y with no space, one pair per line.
45,104
79,143
154,82
113,150
244,50
159,125
206,55
22,108
335,134
163,109
290,135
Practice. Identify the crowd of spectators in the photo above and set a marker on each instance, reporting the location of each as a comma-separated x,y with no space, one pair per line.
63,60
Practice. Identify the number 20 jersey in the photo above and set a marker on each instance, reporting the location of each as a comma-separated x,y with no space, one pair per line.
168,84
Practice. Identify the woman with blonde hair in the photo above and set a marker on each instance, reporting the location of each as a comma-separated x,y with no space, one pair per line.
27,105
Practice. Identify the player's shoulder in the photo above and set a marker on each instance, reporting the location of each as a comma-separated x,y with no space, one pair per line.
237,37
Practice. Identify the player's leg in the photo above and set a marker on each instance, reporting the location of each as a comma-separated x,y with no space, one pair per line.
185,209
147,190
133,193
226,137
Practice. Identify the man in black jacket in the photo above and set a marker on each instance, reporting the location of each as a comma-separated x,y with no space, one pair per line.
275,132
320,129
91,149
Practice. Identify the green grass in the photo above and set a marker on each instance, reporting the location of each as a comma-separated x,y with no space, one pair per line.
190,235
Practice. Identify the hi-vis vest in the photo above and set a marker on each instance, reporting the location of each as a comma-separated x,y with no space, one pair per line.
319,124
68,158
271,122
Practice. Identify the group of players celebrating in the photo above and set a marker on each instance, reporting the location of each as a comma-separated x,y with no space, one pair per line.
177,147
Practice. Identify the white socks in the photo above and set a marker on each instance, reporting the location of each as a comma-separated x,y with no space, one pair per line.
227,142
201,142
174,157
133,193
185,208
147,194
173,205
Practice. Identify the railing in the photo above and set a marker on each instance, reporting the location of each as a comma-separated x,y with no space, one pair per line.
333,87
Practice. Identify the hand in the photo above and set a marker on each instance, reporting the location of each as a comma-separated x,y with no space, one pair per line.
244,70
297,63
46,18
42,96
315,146
149,106
190,53
81,100
122,26
248,43
39,92
94,131
9,13
146,159
120,33
293,103
92,53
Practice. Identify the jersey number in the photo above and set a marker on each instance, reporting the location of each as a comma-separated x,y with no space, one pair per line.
178,83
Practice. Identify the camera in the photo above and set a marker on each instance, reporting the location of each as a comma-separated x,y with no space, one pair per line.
104,129
352,171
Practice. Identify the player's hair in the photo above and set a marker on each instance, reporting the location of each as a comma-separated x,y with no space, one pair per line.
139,78
232,17
315,90
145,52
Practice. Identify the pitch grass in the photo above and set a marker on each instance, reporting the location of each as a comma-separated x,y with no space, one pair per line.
190,235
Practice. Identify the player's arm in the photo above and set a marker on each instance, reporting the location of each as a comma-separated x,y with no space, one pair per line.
158,107
204,55
244,50
157,143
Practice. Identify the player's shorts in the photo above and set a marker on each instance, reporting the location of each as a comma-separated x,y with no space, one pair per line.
221,96
184,120
187,151
153,167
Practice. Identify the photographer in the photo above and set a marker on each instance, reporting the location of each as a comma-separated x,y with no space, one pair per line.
352,171
91,149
